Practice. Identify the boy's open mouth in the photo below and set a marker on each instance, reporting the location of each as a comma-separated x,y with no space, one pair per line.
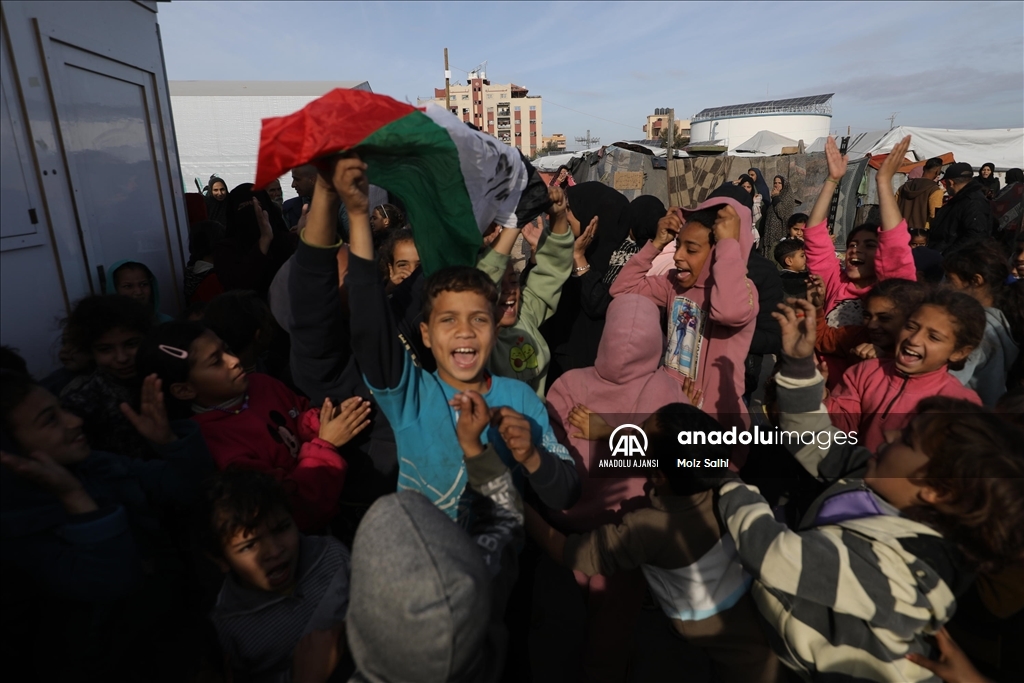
508,306
279,574
464,357
855,261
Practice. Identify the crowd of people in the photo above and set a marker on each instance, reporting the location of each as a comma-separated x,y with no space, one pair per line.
331,466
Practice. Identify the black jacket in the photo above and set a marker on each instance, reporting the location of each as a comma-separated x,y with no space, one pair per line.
765,276
966,218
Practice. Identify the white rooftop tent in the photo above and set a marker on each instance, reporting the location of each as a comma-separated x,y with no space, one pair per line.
1003,147
765,143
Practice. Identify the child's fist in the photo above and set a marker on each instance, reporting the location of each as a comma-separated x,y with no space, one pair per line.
668,228
349,181
515,432
559,202
474,417
727,224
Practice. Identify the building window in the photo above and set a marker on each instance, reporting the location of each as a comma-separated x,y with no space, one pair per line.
533,134
490,96
517,108
532,108
533,120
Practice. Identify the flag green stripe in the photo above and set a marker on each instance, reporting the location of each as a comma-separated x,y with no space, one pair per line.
416,160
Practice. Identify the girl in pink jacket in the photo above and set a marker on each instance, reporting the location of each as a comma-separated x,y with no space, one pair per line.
880,395
710,303
871,254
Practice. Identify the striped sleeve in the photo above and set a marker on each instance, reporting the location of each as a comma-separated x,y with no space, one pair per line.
840,576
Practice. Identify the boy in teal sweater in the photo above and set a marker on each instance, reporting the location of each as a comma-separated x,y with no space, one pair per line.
459,328
521,351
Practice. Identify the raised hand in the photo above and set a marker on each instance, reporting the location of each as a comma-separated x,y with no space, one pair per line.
303,217
50,475
532,233
591,426
474,416
515,432
559,202
799,327
695,395
266,230
668,228
151,421
836,162
339,425
893,162
868,351
727,224
579,249
816,292
350,182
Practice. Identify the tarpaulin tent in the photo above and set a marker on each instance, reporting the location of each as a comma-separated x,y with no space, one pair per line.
1003,147
764,143
696,177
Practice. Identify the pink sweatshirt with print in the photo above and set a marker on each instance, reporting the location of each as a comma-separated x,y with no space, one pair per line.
727,303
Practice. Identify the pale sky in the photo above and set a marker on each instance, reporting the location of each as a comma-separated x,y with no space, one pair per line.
939,64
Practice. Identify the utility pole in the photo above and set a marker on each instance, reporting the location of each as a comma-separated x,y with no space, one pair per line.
587,141
892,119
447,83
670,139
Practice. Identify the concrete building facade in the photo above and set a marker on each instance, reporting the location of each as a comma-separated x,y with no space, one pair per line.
658,121
506,111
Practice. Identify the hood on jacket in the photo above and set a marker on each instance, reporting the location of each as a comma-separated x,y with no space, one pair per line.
919,187
154,285
740,200
631,346
420,605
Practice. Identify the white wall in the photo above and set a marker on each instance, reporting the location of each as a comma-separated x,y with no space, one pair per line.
736,131
221,135
87,123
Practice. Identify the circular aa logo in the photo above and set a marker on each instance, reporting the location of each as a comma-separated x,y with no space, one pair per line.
627,444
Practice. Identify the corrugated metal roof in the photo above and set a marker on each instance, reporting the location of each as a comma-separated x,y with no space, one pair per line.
814,104
260,88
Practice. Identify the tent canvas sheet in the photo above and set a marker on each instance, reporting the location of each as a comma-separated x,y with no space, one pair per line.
1003,147
764,143
695,178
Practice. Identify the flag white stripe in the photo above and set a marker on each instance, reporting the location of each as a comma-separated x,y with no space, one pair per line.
494,173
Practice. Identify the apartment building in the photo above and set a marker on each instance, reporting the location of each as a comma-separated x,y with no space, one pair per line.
505,111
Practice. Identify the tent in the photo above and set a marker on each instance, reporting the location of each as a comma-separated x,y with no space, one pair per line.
1003,147
764,144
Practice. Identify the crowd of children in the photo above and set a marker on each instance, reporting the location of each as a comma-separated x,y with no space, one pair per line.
333,467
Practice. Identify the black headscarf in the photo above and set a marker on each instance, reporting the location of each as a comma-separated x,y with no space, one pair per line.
572,333
590,199
236,267
641,218
761,187
216,210
990,184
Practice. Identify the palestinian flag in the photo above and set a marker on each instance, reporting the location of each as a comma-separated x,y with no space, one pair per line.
454,180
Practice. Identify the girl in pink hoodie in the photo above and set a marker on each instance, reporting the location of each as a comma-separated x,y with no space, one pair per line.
871,254
624,385
879,395
710,303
